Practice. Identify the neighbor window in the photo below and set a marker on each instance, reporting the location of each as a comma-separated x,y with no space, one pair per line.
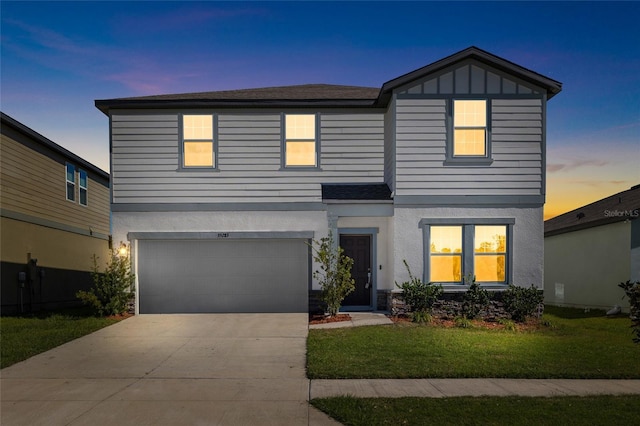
469,128
300,145
83,187
71,182
198,141
458,250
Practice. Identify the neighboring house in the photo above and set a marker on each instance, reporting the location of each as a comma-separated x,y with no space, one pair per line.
220,193
590,250
54,217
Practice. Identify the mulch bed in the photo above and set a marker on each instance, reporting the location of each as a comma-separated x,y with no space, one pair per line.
530,325
322,319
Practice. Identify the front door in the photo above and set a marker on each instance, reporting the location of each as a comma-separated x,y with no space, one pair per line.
358,247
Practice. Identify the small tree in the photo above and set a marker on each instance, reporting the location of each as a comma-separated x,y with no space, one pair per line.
113,289
420,296
632,291
334,275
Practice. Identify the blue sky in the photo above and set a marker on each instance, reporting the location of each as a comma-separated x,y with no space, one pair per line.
58,57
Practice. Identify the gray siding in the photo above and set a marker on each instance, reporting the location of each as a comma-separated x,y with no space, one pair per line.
516,142
389,145
145,159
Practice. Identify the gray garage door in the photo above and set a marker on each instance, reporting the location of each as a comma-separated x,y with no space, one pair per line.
245,275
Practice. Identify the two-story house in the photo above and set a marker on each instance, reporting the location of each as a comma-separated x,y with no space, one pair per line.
54,216
220,193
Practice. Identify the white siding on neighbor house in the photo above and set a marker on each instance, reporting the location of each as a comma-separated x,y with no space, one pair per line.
583,268
516,147
145,159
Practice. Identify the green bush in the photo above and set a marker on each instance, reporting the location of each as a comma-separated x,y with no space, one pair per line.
521,302
463,322
113,289
632,291
474,301
334,275
419,296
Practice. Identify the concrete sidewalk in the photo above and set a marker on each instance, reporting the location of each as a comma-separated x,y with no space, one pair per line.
441,388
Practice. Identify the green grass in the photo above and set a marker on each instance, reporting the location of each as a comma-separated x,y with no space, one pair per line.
521,411
572,345
26,336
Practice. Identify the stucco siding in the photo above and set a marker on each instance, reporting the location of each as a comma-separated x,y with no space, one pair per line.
527,239
583,268
145,159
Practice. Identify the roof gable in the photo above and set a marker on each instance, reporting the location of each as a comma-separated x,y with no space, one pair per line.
478,56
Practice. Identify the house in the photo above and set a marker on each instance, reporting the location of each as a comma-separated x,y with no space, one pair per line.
54,217
220,193
590,250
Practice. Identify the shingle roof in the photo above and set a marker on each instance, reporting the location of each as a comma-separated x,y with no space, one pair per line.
622,206
356,192
324,95
280,96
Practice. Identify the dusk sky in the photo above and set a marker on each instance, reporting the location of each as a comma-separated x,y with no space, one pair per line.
58,57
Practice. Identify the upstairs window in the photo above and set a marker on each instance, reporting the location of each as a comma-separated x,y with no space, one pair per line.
469,128
300,144
71,182
83,187
198,142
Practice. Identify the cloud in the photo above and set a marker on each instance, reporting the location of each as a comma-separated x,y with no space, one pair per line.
575,164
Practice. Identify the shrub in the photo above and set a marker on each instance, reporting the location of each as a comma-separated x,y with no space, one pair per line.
112,290
521,302
508,324
334,275
632,291
474,301
462,322
419,296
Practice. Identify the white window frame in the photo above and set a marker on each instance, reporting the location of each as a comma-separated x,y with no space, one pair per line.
84,188
284,140
70,182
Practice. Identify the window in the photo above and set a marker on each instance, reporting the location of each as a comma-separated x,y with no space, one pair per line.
300,145
456,249
469,128
490,253
445,247
83,187
71,182
198,141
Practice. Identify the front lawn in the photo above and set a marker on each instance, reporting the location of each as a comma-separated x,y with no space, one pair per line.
24,337
523,411
569,344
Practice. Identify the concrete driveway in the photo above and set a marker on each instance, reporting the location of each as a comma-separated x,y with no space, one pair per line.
218,369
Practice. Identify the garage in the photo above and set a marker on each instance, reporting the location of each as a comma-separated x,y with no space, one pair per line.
222,275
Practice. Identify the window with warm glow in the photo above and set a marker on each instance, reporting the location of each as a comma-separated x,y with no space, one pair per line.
470,128
197,141
490,253
71,181
300,140
445,247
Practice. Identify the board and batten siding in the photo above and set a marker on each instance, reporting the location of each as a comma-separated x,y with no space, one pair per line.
145,159
34,185
516,150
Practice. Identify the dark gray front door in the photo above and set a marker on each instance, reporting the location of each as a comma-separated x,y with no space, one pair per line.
358,247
